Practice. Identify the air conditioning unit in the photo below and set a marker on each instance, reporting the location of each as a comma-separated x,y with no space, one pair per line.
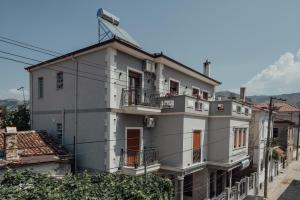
149,122
149,66
198,106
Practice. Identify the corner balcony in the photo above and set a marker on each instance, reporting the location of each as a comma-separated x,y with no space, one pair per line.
230,108
140,101
136,162
184,103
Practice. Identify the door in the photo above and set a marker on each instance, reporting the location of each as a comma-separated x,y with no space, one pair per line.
133,147
196,146
134,97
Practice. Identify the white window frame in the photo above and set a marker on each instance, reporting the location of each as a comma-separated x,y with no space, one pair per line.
208,94
194,87
172,79
201,145
141,138
127,79
41,94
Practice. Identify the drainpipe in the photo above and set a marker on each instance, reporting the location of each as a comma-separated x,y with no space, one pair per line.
76,117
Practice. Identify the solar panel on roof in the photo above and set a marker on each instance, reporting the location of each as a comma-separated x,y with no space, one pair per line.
110,25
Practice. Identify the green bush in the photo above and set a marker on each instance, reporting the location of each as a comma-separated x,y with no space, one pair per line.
27,185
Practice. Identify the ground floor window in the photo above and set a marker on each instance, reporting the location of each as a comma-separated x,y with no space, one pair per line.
188,185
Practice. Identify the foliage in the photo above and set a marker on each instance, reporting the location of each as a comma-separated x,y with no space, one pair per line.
275,155
18,118
32,186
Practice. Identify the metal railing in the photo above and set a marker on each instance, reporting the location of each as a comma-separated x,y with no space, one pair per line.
133,158
142,97
196,155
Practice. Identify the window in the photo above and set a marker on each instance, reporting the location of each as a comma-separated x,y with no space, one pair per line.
196,146
59,132
59,80
236,136
238,109
198,105
240,137
205,95
188,185
275,132
196,92
246,111
261,165
220,107
174,87
41,87
244,137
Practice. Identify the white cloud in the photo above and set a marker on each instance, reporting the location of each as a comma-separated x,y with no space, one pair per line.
281,77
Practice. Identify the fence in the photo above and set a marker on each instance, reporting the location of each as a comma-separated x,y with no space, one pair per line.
240,190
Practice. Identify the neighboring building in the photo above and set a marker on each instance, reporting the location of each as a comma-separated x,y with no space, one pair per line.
122,107
34,151
257,142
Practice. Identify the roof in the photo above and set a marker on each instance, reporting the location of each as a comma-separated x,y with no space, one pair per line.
122,42
34,147
284,121
280,107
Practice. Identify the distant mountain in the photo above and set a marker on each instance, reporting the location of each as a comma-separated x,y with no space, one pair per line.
293,98
10,104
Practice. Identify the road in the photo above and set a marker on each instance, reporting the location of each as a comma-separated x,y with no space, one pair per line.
286,186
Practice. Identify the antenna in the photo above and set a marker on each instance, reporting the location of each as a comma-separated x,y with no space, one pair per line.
108,28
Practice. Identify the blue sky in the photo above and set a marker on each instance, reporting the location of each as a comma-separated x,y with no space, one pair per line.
253,43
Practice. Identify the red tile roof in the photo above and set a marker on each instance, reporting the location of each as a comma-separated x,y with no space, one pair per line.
33,146
280,107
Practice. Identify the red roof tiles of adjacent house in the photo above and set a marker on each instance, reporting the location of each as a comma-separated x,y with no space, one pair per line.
37,147
280,107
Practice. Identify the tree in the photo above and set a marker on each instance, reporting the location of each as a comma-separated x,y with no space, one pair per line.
18,118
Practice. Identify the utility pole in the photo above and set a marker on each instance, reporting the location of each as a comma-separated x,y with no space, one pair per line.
22,88
297,147
267,147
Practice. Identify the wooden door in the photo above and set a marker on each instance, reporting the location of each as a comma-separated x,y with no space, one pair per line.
133,147
197,146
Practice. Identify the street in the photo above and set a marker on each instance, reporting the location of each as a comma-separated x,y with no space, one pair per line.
286,186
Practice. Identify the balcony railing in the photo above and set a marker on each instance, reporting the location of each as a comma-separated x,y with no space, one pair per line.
196,155
141,97
137,159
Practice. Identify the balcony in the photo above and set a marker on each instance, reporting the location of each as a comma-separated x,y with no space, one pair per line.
230,108
196,155
140,101
184,103
134,161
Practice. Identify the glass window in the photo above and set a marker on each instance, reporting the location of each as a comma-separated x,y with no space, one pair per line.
41,87
59,80
205,95
59,132
196,92
244,137
275,132
238,109
174,87
220,107
240,137
236,136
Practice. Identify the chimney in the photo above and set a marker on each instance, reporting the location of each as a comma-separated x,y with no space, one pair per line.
243,94
206,68
11,144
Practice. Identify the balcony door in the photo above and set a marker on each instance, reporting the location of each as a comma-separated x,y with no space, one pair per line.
133,146
196,146
134,85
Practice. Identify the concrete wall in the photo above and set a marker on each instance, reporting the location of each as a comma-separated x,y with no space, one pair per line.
168,136
219,139
48,111
189,125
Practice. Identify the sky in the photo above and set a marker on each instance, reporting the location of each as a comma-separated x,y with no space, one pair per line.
250,43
